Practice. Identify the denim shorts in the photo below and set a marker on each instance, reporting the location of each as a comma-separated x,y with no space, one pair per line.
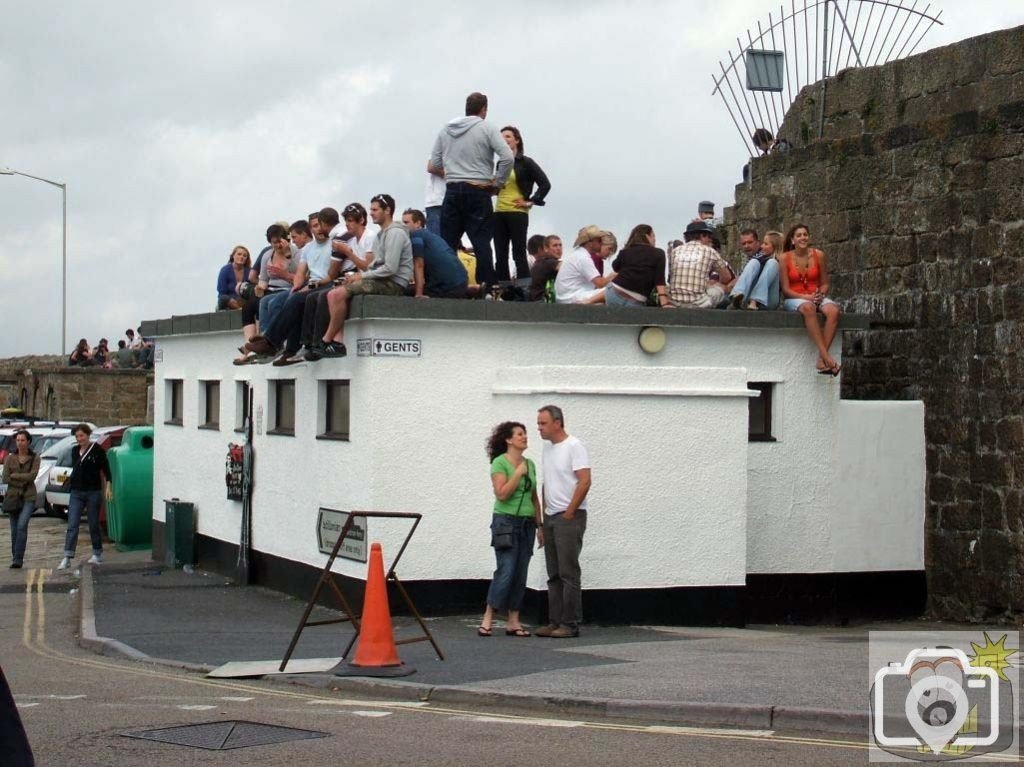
794,304
613,297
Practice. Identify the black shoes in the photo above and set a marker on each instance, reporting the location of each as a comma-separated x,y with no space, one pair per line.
333,349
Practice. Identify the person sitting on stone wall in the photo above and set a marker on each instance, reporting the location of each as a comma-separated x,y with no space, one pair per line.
123,355
389,275
81,355
544,270
640,269
757,287
578,280
437,271
318,266
803,277
696,270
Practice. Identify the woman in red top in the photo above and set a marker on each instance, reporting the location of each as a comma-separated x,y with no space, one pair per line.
803,279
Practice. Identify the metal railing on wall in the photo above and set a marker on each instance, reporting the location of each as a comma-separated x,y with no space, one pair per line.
810,43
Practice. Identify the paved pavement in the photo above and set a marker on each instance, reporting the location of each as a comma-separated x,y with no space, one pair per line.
809,678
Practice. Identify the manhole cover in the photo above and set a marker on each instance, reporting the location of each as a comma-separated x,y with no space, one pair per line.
222,736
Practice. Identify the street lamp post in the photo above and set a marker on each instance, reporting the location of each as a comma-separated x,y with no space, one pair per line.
63,252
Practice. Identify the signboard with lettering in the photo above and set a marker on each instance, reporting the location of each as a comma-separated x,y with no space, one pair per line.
389,347
328,527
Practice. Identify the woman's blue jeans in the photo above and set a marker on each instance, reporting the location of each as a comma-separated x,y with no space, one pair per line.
759,283
19,530
90,500
509,582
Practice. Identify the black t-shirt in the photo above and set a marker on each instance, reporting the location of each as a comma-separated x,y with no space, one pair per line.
543,269
640,268
85,474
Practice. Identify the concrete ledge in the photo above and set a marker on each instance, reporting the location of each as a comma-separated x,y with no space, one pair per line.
397,308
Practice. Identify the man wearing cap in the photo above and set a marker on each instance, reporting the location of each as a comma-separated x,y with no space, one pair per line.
464,156
705,211
578,281
689,267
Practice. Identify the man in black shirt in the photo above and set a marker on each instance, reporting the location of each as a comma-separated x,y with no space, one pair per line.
545,268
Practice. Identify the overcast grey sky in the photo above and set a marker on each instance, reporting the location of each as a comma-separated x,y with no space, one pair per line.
183,128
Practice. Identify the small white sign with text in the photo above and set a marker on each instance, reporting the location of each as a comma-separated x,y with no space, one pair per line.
389,347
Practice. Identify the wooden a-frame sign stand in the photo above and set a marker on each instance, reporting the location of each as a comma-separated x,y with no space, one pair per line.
327,579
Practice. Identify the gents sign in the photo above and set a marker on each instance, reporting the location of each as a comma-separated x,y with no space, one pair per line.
328,527
389,347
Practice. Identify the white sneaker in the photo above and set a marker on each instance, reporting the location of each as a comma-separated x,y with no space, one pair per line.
95,559
64,563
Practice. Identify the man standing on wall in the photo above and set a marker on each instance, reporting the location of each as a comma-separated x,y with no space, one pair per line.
464,156
566,467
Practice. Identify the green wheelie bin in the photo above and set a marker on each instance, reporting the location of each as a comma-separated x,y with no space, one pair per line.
130,512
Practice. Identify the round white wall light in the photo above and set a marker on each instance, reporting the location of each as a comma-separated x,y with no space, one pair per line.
652,339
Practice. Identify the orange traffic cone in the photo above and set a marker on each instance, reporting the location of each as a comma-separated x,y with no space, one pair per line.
376,652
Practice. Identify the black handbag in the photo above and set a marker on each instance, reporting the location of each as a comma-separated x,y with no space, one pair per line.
503,534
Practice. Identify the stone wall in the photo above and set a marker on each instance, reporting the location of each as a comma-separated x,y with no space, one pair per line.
916,194
46,388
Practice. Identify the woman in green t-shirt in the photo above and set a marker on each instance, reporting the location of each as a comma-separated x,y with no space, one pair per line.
515,525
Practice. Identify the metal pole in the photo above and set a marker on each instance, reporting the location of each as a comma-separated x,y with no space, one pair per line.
64,272
824,73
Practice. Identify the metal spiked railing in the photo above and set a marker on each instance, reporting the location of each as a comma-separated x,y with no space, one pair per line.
812,42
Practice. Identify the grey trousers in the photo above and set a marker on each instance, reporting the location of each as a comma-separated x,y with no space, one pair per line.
563,541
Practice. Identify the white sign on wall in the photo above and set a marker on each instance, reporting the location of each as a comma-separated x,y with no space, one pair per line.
389,347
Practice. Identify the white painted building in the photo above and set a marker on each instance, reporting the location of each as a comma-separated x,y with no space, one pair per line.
687,491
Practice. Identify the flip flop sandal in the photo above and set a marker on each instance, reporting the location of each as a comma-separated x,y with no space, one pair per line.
482,631
519,632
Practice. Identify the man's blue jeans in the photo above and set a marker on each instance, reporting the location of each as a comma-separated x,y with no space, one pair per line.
469,209
90,500
270,307
433,214
509,582
19,530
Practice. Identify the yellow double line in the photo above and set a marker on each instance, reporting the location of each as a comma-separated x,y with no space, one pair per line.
35,641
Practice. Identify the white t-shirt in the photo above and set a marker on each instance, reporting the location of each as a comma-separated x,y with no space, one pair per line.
574,283
561,462
436,188
317,256
360,246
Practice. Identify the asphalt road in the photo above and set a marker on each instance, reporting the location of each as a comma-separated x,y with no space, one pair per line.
77,707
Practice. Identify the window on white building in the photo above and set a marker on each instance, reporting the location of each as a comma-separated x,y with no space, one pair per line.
174,405
242,392
282,406
333,410
209,401
759,424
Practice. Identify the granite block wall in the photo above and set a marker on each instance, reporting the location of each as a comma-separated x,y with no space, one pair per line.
915,191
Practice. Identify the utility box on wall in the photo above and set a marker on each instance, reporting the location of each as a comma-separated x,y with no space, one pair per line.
179,533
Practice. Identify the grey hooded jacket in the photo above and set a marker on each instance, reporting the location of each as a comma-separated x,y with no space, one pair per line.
392,251
465,150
